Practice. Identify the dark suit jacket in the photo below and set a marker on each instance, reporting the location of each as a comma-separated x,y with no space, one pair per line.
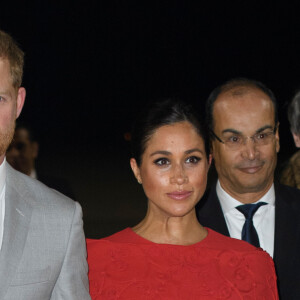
287,234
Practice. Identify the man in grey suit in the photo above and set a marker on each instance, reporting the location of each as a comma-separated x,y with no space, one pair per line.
43,254
246,203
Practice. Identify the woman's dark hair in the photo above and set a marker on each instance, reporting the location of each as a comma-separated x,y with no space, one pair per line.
165,112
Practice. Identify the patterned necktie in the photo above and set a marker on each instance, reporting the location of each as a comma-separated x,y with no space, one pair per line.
249,233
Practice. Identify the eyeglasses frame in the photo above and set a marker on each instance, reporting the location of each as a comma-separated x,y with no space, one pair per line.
251,137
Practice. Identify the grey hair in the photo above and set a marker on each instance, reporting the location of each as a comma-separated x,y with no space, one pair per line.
294,114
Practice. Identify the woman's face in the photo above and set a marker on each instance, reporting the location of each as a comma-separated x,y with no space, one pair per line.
173,170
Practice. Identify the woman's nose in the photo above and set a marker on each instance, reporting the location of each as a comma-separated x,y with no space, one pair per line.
178,175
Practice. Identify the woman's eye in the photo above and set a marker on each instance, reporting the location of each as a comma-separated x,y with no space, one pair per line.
193,160
162,162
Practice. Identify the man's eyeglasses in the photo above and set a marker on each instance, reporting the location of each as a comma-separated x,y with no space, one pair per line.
236,141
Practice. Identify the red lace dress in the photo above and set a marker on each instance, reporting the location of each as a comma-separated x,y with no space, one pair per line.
126,266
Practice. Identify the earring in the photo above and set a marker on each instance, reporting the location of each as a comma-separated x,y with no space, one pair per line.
139,181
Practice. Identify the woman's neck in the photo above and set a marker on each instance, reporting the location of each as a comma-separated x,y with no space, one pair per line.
171,230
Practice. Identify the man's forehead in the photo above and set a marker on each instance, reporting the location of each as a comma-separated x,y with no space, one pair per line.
243,108
238,90
5,63
242,90
5,71
241,97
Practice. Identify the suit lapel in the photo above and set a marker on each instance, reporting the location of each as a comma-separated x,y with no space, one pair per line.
286,233
16,223
210,213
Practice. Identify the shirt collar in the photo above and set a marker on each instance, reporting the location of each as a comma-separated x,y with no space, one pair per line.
33,174
228,203
2,175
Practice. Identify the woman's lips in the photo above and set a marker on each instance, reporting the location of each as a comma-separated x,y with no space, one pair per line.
179,195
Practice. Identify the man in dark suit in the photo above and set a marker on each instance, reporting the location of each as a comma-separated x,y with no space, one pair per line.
22,154
242,118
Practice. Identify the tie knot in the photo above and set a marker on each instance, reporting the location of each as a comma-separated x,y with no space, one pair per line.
248,210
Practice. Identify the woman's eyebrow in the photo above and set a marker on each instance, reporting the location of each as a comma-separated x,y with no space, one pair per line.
168,153
193,150
162,152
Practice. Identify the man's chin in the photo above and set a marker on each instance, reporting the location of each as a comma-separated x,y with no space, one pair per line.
251,187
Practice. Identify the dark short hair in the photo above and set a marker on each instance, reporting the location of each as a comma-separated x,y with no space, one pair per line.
28,128
294,114
230,85
161,113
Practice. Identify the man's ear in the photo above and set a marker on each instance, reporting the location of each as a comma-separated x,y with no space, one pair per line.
212,148
277,138
20,100
136,170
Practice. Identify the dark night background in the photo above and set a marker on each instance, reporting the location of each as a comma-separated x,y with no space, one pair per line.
91,65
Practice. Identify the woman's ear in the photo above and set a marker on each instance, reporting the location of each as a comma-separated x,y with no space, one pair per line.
209,160
136,170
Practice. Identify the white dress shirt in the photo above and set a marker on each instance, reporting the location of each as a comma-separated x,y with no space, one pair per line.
263,219
2,198
33,174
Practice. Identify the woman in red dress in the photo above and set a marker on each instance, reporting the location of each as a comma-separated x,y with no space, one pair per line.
169,255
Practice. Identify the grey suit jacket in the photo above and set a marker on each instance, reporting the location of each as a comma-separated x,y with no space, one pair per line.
43,254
